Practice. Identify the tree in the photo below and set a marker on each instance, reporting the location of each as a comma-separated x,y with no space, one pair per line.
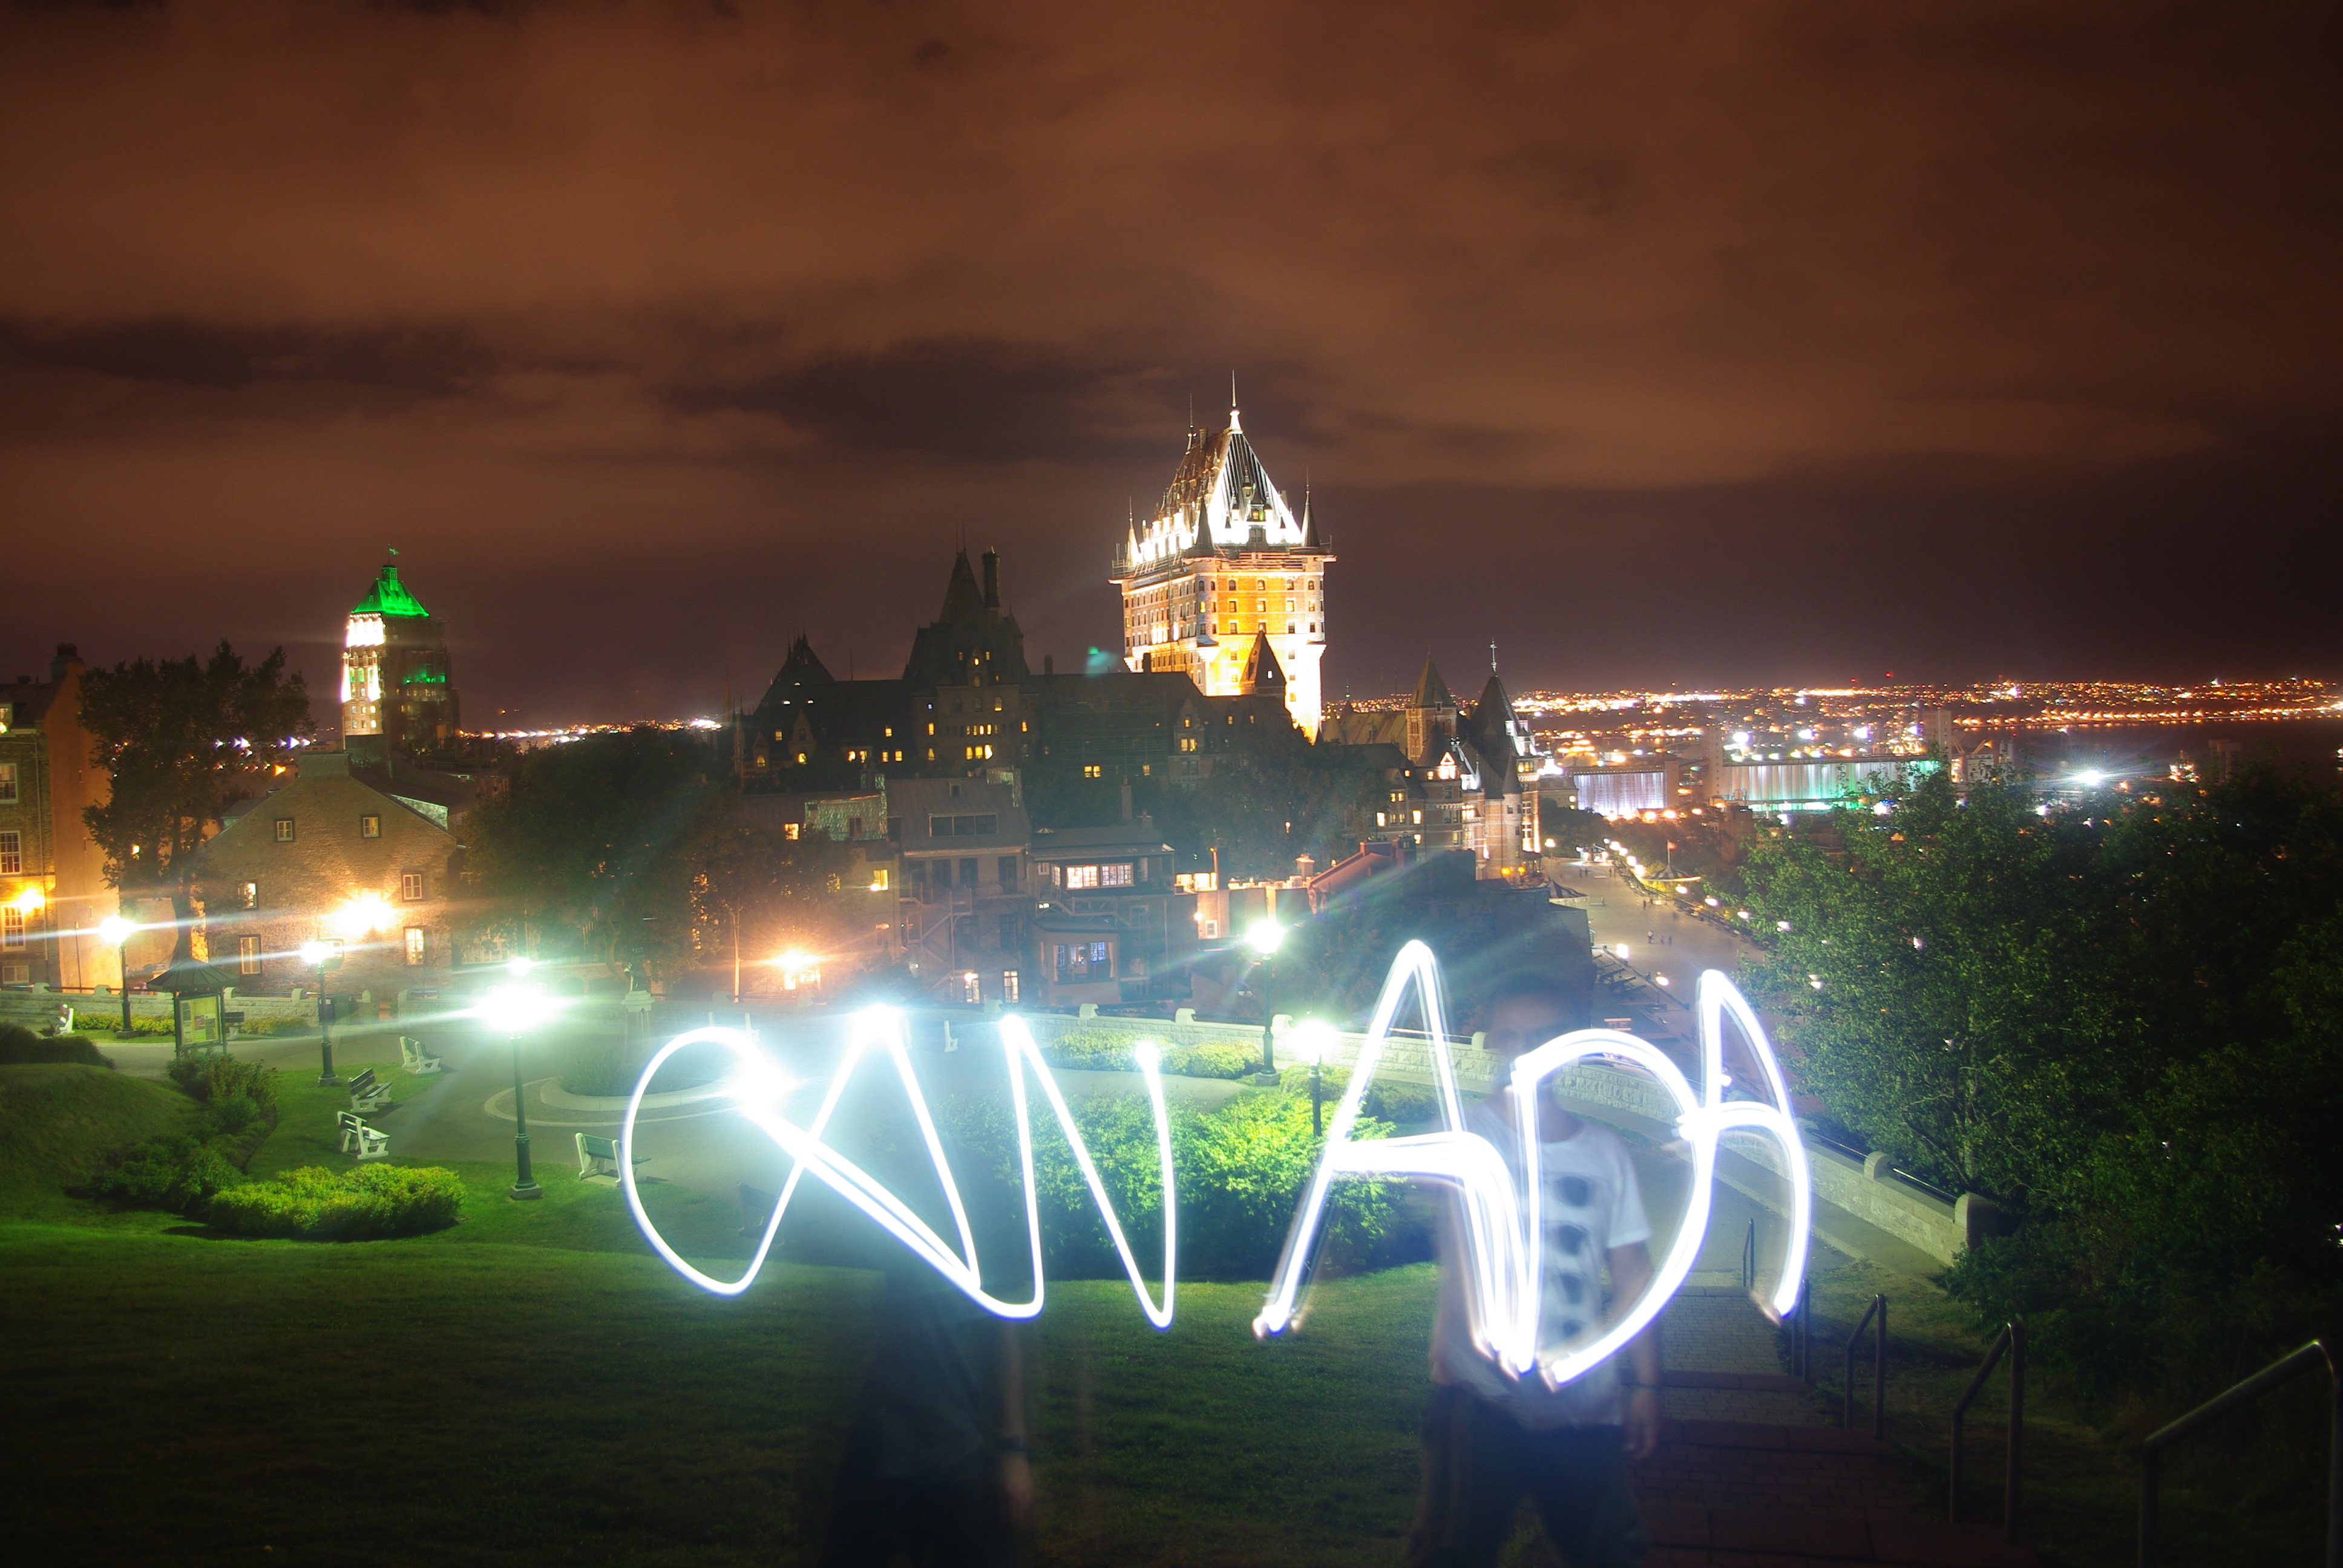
631,851
183,739
2121,1016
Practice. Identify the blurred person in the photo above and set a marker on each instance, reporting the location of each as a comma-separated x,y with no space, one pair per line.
1488,1437
936,1463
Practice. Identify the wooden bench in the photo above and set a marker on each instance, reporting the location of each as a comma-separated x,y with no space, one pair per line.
415,1059
360,1140
599,1156
369,1092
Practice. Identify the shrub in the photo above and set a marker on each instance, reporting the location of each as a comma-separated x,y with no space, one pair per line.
179,1172
1098,1050
214,1078
1240,1170
19,1045
184,1171
1401,1104
369,1203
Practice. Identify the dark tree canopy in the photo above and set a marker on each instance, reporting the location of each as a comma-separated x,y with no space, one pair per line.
2122,1016
184,739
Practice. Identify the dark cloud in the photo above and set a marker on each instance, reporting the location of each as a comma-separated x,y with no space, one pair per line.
1982,332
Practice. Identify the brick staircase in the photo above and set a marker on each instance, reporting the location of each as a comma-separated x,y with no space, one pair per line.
1746,1477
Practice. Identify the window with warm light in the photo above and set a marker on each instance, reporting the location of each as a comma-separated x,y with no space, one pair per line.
283,829
12,926
1009,986
12,853
250,894
370,826
418,945
7,783
410,887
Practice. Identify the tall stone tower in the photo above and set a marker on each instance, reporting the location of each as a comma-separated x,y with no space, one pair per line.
1221,563
397,693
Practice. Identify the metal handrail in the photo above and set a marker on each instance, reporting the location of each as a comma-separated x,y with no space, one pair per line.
1877,1309
2012,1339
2314,1353
1749,1257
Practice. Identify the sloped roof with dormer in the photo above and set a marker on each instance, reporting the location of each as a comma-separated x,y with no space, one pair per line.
1261,670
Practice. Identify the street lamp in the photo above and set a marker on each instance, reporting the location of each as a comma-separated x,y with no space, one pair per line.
1264,938
321,956
116,932
1313,1038
513,1010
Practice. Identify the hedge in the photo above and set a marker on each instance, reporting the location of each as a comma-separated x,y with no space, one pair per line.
185,1171
1097,1051
1241,1169
1401,1104
20,1046
369,1203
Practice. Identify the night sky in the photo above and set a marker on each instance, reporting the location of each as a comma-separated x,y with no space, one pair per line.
1662,343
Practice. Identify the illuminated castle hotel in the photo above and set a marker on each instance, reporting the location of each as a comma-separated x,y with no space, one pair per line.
1221,564
397,697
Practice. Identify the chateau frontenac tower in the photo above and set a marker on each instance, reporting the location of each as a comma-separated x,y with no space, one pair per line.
1221,565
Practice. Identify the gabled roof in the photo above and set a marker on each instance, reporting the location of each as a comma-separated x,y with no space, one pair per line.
1495,702
1430,691
387,595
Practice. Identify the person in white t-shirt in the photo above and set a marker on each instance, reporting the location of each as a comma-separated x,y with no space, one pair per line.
1488,1437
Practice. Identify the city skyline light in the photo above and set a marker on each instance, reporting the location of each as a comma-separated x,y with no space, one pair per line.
652,336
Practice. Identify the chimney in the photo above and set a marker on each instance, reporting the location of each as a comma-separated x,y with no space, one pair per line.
68,658
992,579
1049,664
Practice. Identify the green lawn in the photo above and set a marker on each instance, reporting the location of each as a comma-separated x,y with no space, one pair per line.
532,1385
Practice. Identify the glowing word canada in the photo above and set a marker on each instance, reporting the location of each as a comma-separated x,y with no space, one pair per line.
1501,1219
1501,1216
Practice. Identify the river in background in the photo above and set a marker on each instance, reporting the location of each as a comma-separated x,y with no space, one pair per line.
2122,751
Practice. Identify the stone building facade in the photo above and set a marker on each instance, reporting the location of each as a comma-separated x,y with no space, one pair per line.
333,856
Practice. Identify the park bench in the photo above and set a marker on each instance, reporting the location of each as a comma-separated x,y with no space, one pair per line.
599,1156
369,1092
360,1140
415,1059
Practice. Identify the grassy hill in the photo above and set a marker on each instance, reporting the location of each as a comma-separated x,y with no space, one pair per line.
56,1123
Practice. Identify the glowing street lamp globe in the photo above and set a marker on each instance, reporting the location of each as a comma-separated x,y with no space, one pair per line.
365,913
32,902
314,954
113,930
1264,937
515,1010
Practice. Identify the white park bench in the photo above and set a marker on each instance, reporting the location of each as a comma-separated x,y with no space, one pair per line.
415,1059
360,1140
369,1092
599,1156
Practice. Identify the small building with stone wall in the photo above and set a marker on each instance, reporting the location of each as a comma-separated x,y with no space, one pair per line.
312,859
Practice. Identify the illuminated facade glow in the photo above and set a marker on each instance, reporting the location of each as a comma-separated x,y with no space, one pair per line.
758,1090
1501,1226
1221,561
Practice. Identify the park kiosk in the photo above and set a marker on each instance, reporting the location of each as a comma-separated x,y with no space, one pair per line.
199,1014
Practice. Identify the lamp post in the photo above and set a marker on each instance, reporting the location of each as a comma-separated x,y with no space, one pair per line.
513,1009
116,932
320,956
1313,1037
1264,938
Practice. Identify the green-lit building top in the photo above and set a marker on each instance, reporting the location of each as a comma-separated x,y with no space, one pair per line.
387,595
